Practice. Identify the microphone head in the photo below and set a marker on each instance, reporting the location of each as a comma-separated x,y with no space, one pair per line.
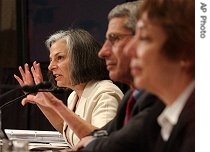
29,88
44,85
35,88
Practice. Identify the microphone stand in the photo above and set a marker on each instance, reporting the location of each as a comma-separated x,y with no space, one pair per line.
2,134
54,90
16,99
8,92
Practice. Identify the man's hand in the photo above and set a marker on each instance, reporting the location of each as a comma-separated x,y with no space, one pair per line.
84,142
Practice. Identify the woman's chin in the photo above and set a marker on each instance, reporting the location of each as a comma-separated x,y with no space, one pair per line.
138,83
59,84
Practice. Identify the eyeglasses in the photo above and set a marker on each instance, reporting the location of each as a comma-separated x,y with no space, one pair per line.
114,38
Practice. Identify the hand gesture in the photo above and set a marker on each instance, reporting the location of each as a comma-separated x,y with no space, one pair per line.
45,99
30,77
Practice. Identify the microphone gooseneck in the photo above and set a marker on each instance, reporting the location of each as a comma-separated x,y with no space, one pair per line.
29,89
9,92
36,88
43,87
12,101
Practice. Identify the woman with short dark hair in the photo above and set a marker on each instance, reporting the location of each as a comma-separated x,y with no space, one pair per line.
163,63
75,64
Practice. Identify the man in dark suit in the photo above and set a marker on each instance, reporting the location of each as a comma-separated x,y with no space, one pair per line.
129,137
121,28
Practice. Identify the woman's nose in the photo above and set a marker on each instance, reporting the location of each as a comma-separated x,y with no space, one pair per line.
51,66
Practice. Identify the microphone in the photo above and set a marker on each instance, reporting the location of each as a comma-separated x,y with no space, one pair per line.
43,87
36,88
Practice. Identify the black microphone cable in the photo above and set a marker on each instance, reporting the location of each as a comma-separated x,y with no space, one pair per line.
12,101
9,92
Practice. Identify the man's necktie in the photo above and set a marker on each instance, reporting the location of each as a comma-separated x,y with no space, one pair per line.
130,104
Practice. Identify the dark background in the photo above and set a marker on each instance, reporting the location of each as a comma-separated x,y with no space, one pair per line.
22,41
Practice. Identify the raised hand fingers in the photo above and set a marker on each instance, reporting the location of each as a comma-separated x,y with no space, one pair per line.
36,71
22,72
19,80
27,78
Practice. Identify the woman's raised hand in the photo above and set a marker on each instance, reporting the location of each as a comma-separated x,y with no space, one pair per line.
30,77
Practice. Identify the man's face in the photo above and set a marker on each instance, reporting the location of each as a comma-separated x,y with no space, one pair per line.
117,62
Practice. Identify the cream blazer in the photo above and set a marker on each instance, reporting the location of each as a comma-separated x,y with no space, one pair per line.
98,105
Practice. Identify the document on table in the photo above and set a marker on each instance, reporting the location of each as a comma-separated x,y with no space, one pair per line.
38,139
48,146
35,136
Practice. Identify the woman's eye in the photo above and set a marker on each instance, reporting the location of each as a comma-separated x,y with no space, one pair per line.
60,57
